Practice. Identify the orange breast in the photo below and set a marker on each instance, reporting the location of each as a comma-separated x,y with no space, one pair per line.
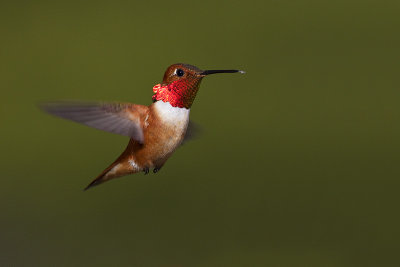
164,129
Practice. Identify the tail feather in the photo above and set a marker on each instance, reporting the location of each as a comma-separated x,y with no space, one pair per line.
101,178
121,167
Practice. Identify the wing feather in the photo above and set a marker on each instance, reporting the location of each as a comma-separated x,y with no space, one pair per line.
193,131
119,118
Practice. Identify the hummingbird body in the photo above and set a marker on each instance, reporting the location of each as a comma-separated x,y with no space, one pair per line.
155,131
164,128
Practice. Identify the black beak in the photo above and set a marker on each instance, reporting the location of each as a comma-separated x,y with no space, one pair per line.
208,72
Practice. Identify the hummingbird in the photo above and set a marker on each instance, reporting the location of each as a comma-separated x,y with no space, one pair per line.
155,131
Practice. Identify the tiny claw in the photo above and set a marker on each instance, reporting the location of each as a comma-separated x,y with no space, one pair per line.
155,170
146,170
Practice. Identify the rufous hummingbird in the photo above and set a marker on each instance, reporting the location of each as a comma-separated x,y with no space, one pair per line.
155,131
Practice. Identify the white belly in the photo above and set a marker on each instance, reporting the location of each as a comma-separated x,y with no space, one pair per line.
175,121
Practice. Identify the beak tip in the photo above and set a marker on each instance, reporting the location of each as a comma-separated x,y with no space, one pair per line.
242,71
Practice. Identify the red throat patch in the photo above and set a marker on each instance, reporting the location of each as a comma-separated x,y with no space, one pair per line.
177,93
165,94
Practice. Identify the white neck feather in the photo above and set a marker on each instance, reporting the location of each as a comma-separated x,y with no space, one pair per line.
170,114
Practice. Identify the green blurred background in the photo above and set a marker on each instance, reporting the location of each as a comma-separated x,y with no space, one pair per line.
298,164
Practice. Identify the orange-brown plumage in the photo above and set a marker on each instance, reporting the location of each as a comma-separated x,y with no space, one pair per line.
161,138
155,131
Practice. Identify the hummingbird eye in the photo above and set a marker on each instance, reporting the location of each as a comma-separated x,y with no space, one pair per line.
179,72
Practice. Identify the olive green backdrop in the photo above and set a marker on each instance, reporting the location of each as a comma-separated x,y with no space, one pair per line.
298,164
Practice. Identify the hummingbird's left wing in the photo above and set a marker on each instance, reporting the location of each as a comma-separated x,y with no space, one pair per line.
119,118
193,131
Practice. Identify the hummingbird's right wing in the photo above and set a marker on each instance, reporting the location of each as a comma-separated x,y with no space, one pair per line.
119,118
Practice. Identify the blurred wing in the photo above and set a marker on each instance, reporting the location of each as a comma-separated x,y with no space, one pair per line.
119,118
193,131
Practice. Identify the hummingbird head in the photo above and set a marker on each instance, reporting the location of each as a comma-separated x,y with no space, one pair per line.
181,83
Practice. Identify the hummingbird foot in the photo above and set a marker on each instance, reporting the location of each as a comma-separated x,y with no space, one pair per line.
146,170
155,170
